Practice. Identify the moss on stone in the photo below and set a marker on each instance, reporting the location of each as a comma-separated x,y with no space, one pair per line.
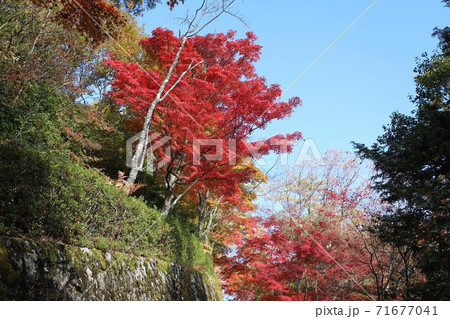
62,274
163,265
132,262
76,257
49,252
100,258
8,273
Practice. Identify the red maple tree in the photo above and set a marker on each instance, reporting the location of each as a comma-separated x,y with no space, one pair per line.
286,260
319,245
222,100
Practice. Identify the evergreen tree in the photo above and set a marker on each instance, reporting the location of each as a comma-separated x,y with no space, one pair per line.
413,165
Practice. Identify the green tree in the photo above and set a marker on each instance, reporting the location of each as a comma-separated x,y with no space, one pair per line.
413,172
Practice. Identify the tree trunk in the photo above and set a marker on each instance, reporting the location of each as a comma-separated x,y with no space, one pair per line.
138,158
203,207
168,202
169,197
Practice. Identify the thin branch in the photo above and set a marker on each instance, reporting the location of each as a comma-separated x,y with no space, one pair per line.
190,67
196,30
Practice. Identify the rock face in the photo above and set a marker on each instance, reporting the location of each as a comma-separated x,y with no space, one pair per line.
53,271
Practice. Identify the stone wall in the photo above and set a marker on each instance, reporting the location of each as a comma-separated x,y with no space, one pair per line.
54,271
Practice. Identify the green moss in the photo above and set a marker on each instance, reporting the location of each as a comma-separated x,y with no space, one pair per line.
216,285
50,252
158,297
132,263
77,260
164,266
8,274
100,258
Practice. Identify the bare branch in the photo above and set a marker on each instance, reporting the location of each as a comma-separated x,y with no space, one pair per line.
214,10
237,17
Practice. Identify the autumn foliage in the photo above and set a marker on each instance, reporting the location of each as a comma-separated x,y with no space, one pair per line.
291,261
318,245
222,101
97,19
78,78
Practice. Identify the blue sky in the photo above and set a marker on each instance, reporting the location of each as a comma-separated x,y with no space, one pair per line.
351,92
